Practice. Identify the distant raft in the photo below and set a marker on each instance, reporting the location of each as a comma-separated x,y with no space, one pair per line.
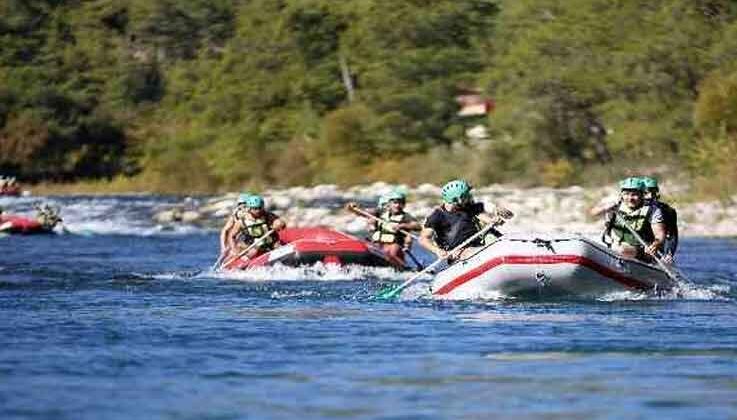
20,225
529,265
311,245
10,190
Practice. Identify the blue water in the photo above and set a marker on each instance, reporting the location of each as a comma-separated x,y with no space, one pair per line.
132,324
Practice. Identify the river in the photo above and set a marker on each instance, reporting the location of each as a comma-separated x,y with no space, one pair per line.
125,320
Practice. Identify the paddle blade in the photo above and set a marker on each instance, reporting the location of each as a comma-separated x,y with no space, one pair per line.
388,293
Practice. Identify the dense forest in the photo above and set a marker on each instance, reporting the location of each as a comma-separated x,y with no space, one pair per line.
203,95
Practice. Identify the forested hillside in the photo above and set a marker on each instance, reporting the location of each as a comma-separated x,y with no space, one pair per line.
199,95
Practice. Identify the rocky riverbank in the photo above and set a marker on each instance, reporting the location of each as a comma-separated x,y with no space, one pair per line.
543,210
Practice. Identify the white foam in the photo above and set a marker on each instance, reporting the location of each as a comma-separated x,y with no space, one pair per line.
292,295
682,291
316,272
623,295
690,291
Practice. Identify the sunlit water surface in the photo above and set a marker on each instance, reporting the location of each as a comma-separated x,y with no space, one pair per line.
125,320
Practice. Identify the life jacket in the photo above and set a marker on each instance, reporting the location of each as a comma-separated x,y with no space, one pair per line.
49,221
384,234
48,218
489,237
638,220
252,228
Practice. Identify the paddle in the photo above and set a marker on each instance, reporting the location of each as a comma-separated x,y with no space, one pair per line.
220,259
245,251
642,242
386,295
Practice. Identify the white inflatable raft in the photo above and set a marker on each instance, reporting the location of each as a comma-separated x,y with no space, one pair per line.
546,266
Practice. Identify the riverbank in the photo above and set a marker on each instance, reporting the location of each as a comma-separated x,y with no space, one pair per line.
542,210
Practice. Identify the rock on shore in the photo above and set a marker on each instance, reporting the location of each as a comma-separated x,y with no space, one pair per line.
543,210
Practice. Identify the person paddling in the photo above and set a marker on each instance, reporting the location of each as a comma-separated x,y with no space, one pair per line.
387,233
48,216
670,217
458,218
248,223
645,219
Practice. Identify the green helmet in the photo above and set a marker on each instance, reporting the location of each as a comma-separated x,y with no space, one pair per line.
394,195
382,201
650,183
455,191
243,198
632,183
255,201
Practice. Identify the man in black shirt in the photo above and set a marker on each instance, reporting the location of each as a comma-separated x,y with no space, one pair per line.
455,220
670,217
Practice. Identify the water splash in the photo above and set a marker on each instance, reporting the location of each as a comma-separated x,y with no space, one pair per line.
316,272
292,295
691,291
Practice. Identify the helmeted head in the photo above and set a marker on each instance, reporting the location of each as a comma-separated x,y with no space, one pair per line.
254,201
650,183
242,198
381,202
395,195
457,191
632,192
632,183
395,201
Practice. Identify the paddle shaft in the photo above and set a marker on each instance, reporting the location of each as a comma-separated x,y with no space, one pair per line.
414,260
645,245
216,266
250,247
437,262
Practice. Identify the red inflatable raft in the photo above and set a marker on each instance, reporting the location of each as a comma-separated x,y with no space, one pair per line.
306,246
21,225
10,191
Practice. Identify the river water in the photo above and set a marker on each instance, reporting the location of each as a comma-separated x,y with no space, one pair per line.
125,320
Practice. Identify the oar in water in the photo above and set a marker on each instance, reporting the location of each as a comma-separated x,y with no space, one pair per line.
657,259
220,259
395,291
244,252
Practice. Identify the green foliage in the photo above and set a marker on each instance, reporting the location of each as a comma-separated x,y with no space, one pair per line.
711,156
558,173
177,29
712,162
264,92
716,107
